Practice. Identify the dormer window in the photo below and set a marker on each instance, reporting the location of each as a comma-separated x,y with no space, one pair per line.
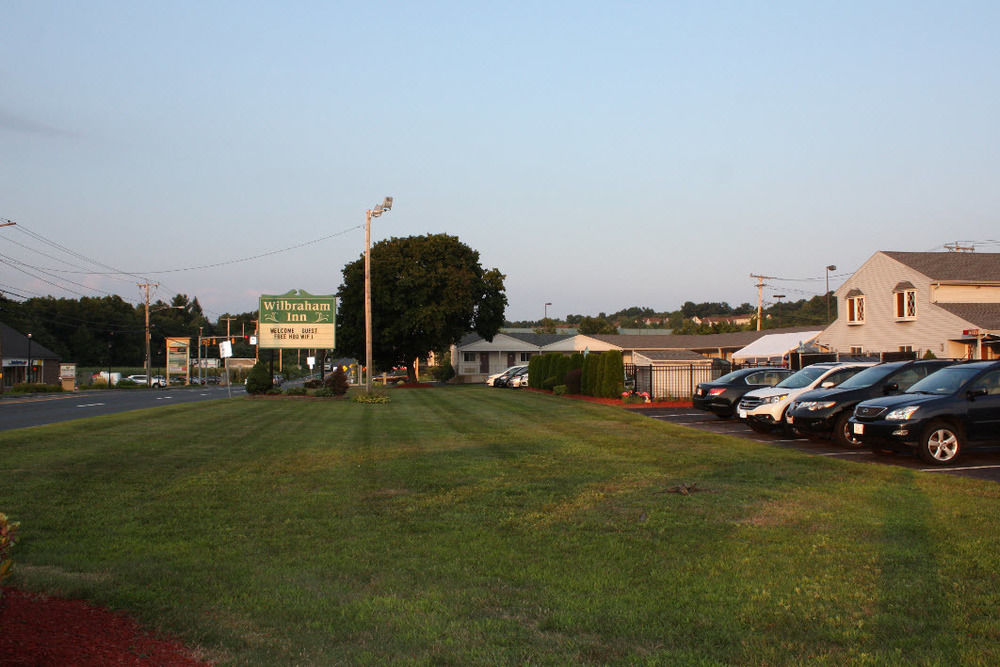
855,307
905,301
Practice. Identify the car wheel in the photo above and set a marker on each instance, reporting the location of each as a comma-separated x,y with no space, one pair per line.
758,427
843,434
940,443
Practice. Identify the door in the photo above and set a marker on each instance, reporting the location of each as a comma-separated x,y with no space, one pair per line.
484,362
510,359
984,411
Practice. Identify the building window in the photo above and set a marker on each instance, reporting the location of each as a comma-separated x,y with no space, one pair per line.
906,348
857,350
526,356
906,304
856,309
470,356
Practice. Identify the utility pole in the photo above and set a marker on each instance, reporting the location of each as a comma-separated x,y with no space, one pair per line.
149,372
384,207
5,223
228,320
760,294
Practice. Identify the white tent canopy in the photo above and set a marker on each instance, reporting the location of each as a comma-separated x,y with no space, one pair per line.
775,346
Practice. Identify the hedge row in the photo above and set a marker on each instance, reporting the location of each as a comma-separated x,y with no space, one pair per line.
596,374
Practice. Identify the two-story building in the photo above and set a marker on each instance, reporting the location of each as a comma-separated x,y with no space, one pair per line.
947,303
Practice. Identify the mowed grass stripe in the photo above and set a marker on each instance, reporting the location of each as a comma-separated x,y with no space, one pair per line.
473,525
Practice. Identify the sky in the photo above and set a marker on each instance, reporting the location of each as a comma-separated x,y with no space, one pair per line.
600,154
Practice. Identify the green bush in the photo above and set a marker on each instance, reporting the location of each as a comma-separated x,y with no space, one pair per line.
559,389
533,366
296,391
259,380
26,388
323,392
8,537
590,376
550,382
274,391
337,382
313,384
573,381
374,397
612,374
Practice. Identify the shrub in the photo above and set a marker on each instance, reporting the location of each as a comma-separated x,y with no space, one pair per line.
313,384
337,382
125,383
533,366
323,392
274,391
26,388
550,382
612,374
8,537
559,389
591,369
929,355
572,381
296,391
259,380
374,397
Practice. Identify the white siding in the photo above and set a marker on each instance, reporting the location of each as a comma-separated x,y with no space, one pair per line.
965,293
881,332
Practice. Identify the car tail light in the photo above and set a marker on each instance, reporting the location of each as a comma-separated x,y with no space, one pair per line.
716,391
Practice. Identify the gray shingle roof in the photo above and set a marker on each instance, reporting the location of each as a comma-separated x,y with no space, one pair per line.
674,355
982,315
15,344
983,266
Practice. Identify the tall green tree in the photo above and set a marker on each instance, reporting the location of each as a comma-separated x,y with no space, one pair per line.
596,325
427,292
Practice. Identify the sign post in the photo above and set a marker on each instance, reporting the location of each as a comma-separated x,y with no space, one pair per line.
226,351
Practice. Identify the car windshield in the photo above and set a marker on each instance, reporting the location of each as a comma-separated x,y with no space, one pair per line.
868,377
945,381
803,378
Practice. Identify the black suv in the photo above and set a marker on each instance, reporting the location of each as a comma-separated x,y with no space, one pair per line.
939,416
825,412
722,395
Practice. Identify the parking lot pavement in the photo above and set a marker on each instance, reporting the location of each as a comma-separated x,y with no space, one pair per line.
982,463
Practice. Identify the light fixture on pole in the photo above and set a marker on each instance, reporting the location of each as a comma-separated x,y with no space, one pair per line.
27,371
831,267
547,304
384,207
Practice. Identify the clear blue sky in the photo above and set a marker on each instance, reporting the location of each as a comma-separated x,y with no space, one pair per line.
601,155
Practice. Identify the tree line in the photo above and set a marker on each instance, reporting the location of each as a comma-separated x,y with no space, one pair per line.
804,312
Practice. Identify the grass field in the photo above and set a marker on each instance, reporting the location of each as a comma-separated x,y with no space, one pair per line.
469,525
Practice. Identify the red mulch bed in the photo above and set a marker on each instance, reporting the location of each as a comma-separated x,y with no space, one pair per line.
618,402
40,630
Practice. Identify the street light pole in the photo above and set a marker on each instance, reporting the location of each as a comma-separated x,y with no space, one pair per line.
27,371
829,268
384,207
779,297
547,304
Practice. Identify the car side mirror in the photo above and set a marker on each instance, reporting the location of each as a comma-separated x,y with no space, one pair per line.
975,392
827,384
891,387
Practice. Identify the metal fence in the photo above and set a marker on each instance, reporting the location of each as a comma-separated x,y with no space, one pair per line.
678,381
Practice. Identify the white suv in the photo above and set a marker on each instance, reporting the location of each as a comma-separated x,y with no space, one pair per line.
764,409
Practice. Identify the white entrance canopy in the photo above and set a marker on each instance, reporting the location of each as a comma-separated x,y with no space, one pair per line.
775,346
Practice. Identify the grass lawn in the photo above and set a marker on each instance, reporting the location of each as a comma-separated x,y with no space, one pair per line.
471,525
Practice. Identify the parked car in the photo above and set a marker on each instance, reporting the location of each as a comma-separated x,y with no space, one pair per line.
506,376
940,416
491,380
764,409
722,395
825,412
518,379
158,380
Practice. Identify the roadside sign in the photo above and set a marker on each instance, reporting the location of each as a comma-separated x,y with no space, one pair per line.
225,349
297,319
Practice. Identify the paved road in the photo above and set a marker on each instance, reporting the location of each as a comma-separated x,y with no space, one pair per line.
19,411
983,463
